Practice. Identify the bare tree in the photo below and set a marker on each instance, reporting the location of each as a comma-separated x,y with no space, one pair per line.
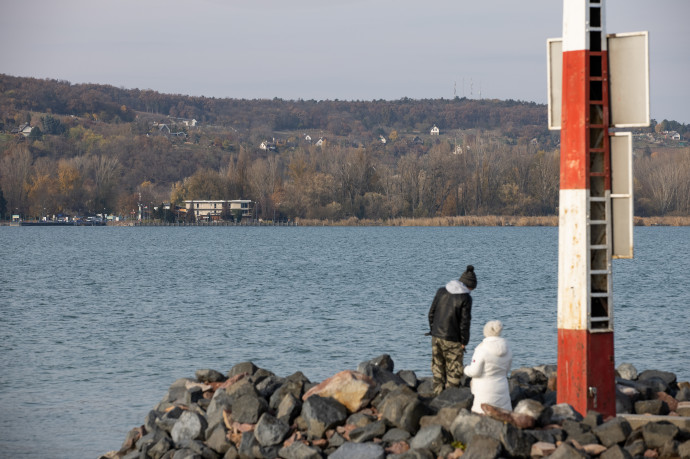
15,168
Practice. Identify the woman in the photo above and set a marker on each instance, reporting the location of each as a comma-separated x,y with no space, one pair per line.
489,369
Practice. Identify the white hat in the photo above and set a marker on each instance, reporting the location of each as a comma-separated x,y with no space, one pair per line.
493,328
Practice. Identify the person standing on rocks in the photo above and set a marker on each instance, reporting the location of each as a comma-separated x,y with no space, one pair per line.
449,321
489,370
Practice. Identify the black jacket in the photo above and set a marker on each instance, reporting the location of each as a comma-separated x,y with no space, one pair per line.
450,316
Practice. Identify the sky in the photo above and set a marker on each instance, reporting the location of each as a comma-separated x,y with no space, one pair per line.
327,49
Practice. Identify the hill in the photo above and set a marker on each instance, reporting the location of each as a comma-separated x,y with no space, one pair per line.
88,149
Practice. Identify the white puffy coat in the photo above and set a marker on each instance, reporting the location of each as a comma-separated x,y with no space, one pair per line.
489,372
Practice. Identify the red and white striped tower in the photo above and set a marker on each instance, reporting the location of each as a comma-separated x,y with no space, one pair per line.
586,375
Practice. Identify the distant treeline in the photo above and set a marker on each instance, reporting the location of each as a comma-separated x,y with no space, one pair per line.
96,148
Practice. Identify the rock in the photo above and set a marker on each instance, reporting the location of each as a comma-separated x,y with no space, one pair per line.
360,419
351,450
445,418
294,384
398,448
244,367
380,375
270,431
669,449
289,409
558,413
199,449
217,440
299,450
159,449
635,448
268,385
403,409
568,451
521,421
613,432
683,394
530,408
683,409
684,449
516,442
655,434
593,419
425,388
655,407
352,389
409,377
460,397
463,426
322,413
419,453
190,426
396,435
615,452
580,432
209,376
483,447
667,377
541,449
526,375
671,402
383,361
368,432
627,371
593,449
624,403
248,409
249,446
431,437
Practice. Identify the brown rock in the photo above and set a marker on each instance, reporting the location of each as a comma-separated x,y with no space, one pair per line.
398,447
594,449
232,381
670,401
321,442
551,383
542,449
345,430
352,389
521,421
651,453
455,454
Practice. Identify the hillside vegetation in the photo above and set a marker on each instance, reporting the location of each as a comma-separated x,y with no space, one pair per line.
94,148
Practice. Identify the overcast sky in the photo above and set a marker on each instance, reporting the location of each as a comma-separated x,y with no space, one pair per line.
327,49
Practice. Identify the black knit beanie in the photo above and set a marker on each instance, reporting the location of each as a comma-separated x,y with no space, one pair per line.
468,278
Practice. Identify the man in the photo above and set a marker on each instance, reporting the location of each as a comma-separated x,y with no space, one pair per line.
449,321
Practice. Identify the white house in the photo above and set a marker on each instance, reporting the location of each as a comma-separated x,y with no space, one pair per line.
320,142
382,139
307,138
434,130
212,210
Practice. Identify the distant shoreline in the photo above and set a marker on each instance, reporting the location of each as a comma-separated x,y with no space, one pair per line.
468,220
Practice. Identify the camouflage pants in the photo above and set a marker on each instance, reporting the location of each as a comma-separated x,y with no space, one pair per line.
446,363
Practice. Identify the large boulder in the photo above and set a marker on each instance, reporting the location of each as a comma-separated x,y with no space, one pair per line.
612,432
352,450
322,413
403,408
515,442
556,414
289,409
432,437
248,409
483,447
463,426
383,361
354,390
299,450
368,432
190,426
627,371
459,397
654,407
293,384
655,434
245,367
209,376
270,431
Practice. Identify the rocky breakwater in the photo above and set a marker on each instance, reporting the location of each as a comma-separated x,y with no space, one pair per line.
376,413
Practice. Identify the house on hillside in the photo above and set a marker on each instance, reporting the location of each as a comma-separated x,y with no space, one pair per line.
23,129
435,131
268,146
382,139
320,142
307,138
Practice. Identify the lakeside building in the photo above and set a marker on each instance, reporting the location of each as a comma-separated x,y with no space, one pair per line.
213,210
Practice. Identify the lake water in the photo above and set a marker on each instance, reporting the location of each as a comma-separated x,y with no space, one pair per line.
97,322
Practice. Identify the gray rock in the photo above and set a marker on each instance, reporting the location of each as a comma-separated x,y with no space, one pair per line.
200,450
669,449
545,436
168,420
684,449
515,441
352,450
193,395
452,396
159,449
208,376
249,446
530,408
624,404
529,376
613,432
593,419
483,447
383,361
549,371
636,448
556,414
655,407
403,409
418,453
425,388
190,426
214,413
431,438
248,409
176,391
667,377
240,389
615,452
627,371
368,432
268,385
321,414
463,427
580,432
655,434
299,450
360,419
395,435
270,431
409,376
380,375
288,409
336,440
567,451
244,367
217,440
294,384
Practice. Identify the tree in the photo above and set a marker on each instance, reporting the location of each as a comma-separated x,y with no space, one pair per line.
190,216
15,168
3,205
52,125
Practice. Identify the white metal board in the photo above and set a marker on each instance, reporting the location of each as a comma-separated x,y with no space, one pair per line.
622,195
554,80
629,79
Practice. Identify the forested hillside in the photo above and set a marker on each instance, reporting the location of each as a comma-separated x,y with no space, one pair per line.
86,149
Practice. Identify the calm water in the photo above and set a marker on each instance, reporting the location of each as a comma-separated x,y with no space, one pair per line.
98,322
